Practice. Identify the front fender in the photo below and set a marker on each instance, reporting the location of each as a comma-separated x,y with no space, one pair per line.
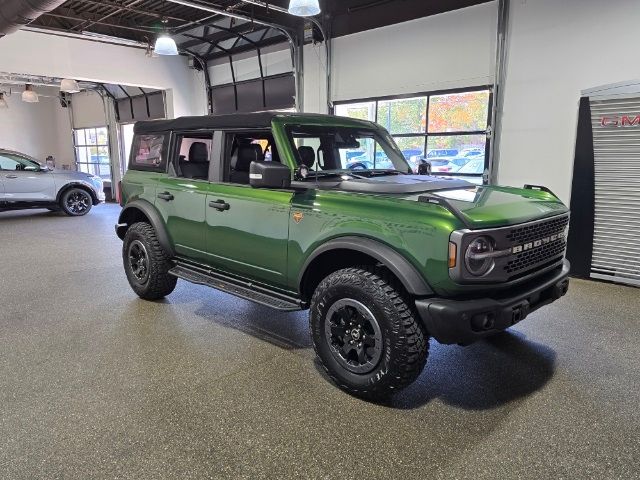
140,211
410,278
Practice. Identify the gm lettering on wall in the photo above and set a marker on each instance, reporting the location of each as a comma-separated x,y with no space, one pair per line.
620,121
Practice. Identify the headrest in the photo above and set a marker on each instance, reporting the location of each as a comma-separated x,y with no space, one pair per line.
307,155
245,154
198,152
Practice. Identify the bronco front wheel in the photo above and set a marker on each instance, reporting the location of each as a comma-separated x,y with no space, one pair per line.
146,263
365,333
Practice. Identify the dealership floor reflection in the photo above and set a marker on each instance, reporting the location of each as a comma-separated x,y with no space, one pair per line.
95,383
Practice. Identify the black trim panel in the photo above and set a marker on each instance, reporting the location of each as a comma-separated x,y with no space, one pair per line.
399,266
581,226
154,218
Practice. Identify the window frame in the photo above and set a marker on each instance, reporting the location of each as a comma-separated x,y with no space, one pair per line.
77,147
228,137
426,134
175,143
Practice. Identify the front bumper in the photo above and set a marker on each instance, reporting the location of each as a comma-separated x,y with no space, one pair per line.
465,321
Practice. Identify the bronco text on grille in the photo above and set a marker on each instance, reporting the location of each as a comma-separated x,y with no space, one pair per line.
536,245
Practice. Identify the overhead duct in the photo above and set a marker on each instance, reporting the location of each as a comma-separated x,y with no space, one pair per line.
15,14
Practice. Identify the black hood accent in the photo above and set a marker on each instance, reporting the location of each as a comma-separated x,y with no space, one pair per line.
397,184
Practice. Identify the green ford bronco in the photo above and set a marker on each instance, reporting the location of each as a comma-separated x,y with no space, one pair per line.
272,207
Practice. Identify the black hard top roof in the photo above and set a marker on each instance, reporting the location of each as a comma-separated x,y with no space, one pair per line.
236,120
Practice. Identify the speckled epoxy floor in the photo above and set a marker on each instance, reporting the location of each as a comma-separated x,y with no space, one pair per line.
95,383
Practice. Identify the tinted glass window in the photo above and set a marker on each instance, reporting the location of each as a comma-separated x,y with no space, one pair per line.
148,152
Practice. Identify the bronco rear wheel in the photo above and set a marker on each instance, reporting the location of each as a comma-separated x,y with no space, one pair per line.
365,333
146,263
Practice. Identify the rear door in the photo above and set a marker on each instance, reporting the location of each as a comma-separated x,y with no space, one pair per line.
181,194
247,228
24,181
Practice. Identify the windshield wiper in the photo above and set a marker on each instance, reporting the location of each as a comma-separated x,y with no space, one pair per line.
386,171
322,174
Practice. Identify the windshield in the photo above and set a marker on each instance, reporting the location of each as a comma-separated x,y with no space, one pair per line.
339,149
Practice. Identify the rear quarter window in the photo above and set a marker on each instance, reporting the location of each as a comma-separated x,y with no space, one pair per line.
149,153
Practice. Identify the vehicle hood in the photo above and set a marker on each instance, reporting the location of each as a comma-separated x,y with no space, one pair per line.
492,206
478,206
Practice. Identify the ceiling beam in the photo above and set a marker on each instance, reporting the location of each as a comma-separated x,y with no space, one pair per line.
224,34
246,48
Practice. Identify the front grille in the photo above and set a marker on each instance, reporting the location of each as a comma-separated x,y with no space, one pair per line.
535,231
537,248
522,250
524,260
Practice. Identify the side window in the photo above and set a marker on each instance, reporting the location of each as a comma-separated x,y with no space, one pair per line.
148,153
13,162
9,163
192,156
244,148
310,152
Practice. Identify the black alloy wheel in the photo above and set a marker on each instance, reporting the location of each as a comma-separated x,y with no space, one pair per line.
139,261
354,335
76,202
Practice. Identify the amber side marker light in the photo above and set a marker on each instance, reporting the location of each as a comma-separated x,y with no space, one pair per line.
453,254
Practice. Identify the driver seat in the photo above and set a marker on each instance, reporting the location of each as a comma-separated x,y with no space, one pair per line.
307,156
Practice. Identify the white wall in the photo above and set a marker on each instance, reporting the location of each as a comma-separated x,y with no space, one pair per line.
36,53
556,50
450,50
37,129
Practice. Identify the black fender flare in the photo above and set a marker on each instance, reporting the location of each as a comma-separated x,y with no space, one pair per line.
410,278
155,219
84,186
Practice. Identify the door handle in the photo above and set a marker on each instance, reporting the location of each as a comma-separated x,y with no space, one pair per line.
166,196
12,176
220,205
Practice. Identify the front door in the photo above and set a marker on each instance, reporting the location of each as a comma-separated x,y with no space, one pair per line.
181,195
248,231
24,181
248,228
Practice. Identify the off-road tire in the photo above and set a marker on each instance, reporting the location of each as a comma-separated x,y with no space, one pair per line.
404,340
158,283
71,208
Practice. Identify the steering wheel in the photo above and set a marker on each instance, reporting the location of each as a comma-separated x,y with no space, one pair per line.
358,166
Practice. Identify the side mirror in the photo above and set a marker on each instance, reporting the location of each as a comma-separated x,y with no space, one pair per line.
269,175
424,168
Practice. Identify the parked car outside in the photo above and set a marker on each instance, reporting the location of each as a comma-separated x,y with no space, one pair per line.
27,183
442,152
383,259
475,165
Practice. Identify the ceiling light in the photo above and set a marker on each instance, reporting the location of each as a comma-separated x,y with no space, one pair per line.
29,95
69,85
165,45
304,8
3,102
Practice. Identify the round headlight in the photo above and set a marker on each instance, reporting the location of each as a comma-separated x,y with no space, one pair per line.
478,258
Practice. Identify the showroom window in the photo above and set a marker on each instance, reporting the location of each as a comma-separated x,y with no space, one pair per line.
92,151
447,129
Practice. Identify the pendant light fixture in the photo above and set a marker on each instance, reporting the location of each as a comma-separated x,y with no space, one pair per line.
29,95
3,101
304,8
165,45
69,85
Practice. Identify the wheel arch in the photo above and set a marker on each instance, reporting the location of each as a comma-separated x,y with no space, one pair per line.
68,186
143,211
350,251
